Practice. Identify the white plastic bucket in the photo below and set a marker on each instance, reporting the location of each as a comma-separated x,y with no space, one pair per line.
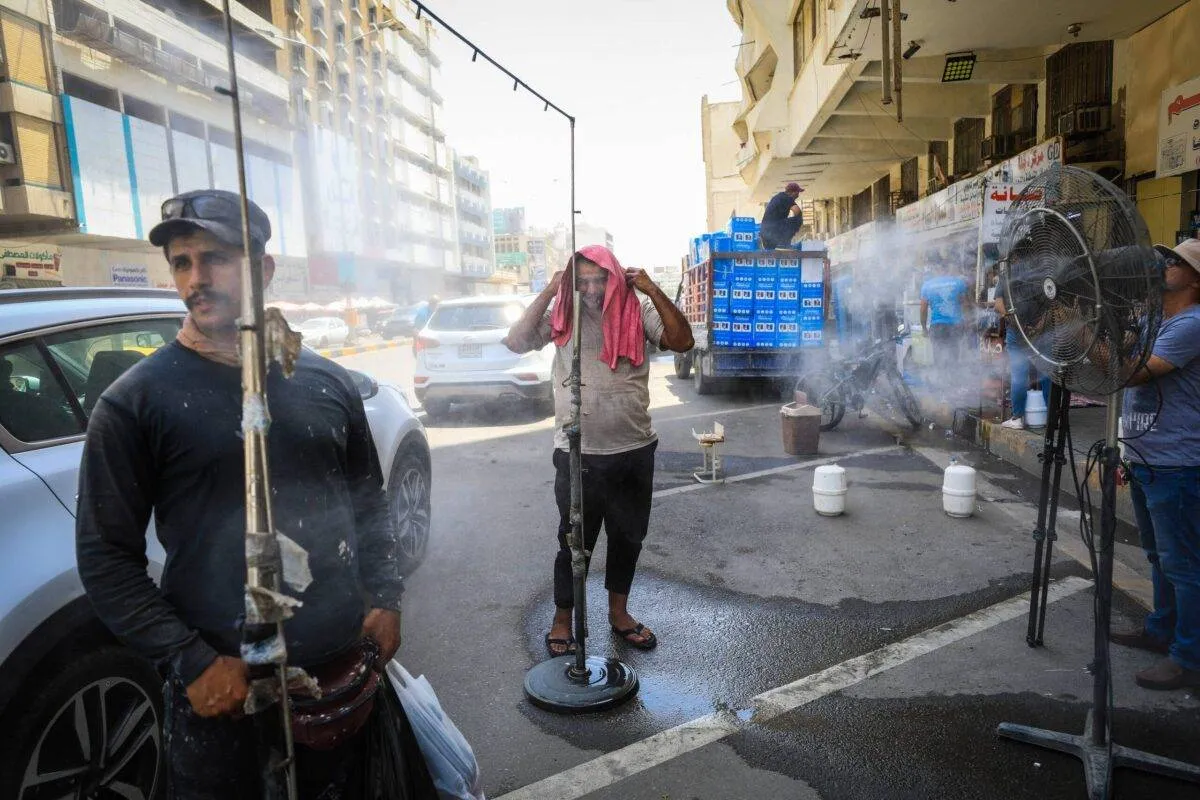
1035,409
958,491
829,490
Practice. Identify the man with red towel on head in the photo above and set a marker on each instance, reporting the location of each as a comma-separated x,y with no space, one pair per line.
618,440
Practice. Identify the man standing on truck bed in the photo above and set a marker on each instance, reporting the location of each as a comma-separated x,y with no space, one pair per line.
618,440
782,219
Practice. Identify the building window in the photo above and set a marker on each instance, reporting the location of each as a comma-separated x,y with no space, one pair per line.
968,145
1014,112
371,12
804,33
24,53
881,198
1079,74
84,89
37,150
939,165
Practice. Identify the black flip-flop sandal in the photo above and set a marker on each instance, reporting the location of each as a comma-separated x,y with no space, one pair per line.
649,644
567,643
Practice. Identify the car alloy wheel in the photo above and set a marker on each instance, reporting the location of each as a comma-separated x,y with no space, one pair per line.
105,741
410,505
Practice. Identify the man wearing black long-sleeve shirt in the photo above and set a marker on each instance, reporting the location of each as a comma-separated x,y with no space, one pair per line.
165,439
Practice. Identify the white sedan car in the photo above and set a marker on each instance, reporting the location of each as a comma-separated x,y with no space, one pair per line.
323,331
80,715
460,356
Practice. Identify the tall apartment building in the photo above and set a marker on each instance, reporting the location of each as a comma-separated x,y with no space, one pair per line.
365,82
476,262
107,107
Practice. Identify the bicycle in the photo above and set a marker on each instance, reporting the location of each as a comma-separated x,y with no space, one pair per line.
846,383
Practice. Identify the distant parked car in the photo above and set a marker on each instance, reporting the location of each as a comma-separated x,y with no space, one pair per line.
80,715
460,357
402,321
323,331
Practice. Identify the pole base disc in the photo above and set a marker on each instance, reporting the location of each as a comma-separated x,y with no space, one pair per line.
608,683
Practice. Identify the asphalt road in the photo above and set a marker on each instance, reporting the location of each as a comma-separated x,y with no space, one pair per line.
862,657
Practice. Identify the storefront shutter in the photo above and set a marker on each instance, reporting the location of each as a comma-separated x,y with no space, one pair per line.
37,149
24,55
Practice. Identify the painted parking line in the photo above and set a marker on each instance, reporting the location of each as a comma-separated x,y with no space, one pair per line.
763,473
674,742
722,412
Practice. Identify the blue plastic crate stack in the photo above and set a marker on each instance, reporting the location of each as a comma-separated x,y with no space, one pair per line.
760,300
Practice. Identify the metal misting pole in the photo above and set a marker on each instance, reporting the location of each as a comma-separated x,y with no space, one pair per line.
264,647
579,561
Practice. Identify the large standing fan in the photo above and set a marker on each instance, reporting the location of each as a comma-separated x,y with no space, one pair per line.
1084,288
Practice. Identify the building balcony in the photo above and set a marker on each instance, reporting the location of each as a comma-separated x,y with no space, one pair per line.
24,202
98,31
824,125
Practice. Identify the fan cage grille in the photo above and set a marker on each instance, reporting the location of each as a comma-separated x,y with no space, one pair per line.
1083,283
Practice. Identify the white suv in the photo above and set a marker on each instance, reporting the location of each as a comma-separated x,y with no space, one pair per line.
460,356
80,716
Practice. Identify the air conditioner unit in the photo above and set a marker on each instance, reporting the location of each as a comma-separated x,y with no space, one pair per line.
7,156
1085,120
998,146
1093,119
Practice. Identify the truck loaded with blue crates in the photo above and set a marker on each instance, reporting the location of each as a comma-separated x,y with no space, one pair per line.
754,312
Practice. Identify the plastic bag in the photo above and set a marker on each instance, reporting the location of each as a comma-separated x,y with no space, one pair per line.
394,766
450,760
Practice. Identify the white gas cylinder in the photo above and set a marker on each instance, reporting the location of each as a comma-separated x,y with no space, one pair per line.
1035,409
958,491
829,490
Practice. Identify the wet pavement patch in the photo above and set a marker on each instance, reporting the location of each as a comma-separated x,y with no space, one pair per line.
946,747
718,648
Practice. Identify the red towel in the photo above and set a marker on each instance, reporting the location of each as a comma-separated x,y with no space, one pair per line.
621,317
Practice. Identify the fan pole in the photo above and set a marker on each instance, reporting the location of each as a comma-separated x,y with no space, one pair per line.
1095,748
1053,457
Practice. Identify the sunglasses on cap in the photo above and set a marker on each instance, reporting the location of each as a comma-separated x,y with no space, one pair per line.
205,206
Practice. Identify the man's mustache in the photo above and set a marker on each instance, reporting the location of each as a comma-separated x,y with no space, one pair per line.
207,296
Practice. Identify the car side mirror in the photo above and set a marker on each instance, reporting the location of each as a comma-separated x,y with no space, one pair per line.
367,386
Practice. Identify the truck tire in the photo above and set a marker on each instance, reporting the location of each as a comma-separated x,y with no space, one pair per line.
705,384
683,365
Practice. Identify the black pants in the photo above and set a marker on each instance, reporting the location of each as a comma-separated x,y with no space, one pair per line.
616,494
217,758
781,233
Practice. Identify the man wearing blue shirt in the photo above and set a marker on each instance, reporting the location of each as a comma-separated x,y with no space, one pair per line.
1161,420
945,300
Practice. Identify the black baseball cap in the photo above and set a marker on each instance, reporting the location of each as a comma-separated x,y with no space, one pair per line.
213,210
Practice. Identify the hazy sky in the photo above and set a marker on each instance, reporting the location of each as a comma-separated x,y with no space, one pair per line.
632,72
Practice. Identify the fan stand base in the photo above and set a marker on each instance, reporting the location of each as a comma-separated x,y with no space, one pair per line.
555,686
1098,764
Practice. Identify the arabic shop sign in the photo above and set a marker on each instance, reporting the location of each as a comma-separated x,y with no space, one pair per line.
1179,129
22,260
957,204
1007,181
